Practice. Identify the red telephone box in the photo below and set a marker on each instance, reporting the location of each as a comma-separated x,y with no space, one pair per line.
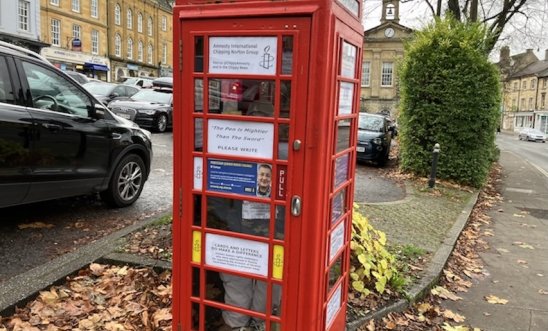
265,116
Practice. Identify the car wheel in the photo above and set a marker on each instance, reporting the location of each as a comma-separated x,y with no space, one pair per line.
161,123
126,183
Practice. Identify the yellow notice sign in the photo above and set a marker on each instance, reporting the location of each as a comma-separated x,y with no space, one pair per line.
278,262
196,246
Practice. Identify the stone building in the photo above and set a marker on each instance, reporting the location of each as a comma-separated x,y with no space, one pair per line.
140,38
77,32
20,24
524,89
383,47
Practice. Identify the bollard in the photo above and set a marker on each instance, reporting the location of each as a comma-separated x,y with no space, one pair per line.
435,155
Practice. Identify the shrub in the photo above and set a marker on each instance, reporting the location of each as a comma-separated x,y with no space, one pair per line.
449,95
372,266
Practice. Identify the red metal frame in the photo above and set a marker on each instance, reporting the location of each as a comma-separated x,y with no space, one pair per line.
318,34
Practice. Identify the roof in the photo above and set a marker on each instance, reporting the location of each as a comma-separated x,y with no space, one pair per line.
388,23
534,69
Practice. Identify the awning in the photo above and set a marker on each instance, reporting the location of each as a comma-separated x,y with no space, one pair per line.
94,66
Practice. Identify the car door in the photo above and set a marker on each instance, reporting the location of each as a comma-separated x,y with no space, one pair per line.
70,146
15,135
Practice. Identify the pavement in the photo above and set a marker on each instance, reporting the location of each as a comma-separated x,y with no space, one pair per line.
409,214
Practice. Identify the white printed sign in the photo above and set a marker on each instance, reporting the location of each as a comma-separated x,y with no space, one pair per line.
198,173
348,63
333,306
243,55
239,138
255,210
237,254
346,95
336,240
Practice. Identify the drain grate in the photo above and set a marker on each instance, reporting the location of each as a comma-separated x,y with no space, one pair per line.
538,213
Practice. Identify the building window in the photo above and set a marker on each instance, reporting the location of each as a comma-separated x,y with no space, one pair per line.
522,104
94,8
140,51
513,104
56,32
164,53
140,22
54,2
366,71
164,23
542,100
524,85
75,31
76,5
94,42
545,82
130,48
533,84
149,26
129,19
149,53
530,103
386,75
23,16
515,86
117,14
118,45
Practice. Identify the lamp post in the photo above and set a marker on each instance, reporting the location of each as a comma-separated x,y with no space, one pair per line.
435,155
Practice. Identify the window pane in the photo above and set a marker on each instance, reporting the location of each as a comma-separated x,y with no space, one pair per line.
6,93
386,78
198,134
283,141
287,55
343,135
199,54
338,205
341,170
238,216
366,69
280,223
285,99
247,97
334,273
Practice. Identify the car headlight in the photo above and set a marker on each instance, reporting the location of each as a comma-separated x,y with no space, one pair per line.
147,134
377,141
147,111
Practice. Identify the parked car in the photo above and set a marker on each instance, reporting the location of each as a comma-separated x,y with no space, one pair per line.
137,81
106,92
150,108
374,138
530,134
80,78
58,141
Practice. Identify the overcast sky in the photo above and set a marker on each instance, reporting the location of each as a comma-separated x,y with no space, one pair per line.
416,14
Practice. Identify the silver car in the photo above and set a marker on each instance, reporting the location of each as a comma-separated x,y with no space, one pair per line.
530,134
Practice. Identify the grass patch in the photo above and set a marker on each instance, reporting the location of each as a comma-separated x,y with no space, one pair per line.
410,260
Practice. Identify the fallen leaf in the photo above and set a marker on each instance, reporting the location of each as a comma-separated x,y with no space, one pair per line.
522,262
447,327
371,325
526,246
542,291
454,316
496,300
444,293
540,275
503,250
390,325
35,225
97,269
486,314
163,314
424,307
518,215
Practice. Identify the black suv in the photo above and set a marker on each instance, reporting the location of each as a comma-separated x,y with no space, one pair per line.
57,140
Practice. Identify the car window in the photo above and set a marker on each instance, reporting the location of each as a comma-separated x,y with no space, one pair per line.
6,93
152,96
50,90
130,90
371,123
120,90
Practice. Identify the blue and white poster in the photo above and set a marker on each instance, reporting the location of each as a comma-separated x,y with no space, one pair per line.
232,177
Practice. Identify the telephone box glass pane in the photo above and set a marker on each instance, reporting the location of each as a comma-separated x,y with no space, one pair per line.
199,54
341,170
214,96
334,273
285,99
287,55
283,141
198,95
198,134
197,210
195,313
337,205
248,97
280,223
276,300
247,217
196,282
348,60
343,135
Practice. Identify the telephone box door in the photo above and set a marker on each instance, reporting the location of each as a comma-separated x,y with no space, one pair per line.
245,129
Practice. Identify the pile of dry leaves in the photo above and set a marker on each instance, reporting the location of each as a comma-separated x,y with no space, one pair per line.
463,266
101,297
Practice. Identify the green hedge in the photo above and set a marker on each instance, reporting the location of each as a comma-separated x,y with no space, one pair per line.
449,95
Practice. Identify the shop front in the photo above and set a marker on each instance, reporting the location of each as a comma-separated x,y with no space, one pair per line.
93,66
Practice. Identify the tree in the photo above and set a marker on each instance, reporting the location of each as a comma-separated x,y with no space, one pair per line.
449,95
526,16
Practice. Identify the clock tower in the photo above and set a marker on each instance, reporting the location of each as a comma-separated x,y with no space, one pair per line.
390,11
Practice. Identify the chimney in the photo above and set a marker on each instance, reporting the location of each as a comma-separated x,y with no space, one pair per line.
546,55
529,51
505,53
